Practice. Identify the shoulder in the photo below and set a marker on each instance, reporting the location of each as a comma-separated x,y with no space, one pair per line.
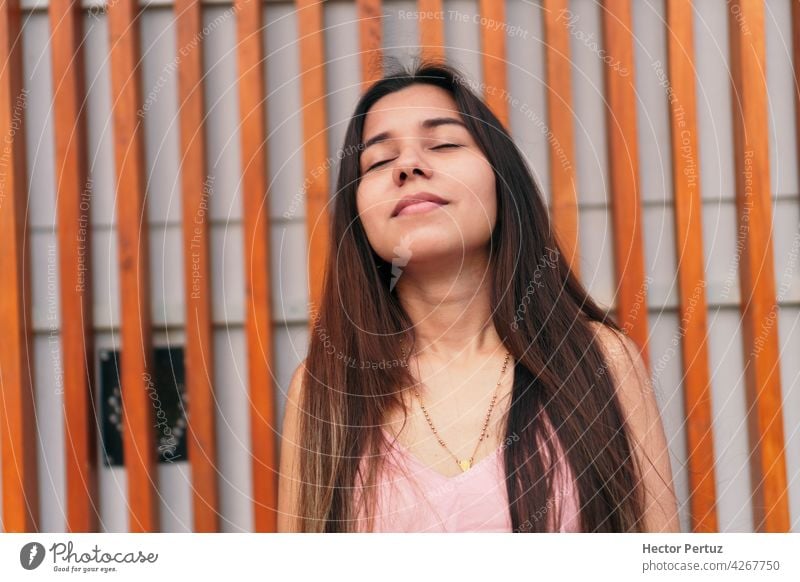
289,477
294,395
631,378
295,389
624,360
637,399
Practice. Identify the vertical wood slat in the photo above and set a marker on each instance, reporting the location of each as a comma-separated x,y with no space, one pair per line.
370,34
757,270
689,250
493,55
624,172
77,328
558,70
315,129
17,418
199,360
134,268
258,319
431,29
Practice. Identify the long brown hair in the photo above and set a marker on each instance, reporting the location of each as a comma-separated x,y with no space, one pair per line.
540,310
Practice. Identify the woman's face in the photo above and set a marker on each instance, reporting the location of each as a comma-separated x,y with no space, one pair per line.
416,146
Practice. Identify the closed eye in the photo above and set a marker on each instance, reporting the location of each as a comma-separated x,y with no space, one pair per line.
444,145
376,164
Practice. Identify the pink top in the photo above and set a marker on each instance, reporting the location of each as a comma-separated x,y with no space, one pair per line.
412,497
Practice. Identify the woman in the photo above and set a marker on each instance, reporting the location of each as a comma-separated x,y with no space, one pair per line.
459,377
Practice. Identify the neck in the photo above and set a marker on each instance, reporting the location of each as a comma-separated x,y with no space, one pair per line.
449,306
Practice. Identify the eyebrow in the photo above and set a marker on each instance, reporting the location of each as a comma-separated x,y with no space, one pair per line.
426,124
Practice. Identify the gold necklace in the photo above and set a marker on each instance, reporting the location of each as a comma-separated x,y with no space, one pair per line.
464,464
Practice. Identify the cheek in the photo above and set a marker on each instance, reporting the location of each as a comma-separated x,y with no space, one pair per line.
481,197
366,204
360,200
372,214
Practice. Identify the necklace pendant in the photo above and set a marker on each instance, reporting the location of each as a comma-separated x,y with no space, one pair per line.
465,464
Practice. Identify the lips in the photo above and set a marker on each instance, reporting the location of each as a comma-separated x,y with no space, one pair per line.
421,200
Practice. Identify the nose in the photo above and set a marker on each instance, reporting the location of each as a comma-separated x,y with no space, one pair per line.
410,164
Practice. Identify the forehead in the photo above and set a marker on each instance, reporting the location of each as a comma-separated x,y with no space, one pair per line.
404,110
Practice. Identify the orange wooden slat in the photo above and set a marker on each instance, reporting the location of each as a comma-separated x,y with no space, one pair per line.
196,190
134,268
431,29
370,33
689,250
74,243
493,54
17,429
258,318
624,196
756,267
558,70
315,129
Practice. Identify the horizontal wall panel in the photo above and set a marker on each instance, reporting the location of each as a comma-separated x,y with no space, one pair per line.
462,38
526,91
588,104
597,253
781,91
400,32
158,112
49,386
714,113
222,115
285,138
99,130
652,111
789,328
342,77
729,405
233,431
39,122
